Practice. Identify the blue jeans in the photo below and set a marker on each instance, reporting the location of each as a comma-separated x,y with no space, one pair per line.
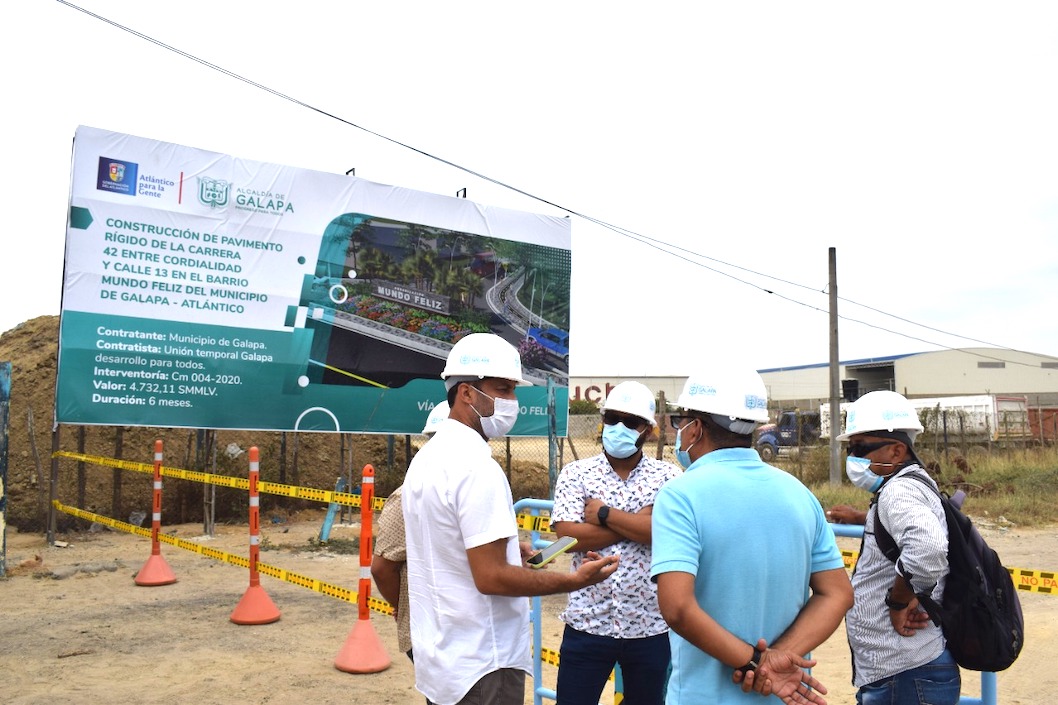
585,662
935,683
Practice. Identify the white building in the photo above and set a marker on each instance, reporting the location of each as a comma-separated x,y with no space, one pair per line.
964,371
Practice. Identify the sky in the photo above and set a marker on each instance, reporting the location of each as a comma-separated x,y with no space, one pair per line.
730,146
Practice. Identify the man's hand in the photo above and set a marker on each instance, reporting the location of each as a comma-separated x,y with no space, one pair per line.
910,619
526,549
844,514
591,511
780,673
748,679
594,568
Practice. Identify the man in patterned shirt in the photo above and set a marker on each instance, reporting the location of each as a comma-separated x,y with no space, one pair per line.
605,503
391,551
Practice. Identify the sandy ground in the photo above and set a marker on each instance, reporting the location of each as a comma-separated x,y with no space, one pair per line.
76,628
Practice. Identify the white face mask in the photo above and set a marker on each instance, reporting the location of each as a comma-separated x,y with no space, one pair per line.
620,441
504,415
860,474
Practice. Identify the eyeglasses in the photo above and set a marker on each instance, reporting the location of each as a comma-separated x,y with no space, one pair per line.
678,421
862,450
611,418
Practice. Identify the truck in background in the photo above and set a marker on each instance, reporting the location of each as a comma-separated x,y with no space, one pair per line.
792,429
978,418
554,340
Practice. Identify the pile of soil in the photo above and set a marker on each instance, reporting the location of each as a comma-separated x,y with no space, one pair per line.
306,459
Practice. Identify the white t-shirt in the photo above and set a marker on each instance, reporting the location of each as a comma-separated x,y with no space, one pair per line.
456,497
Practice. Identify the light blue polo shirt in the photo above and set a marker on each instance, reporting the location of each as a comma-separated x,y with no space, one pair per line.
752,535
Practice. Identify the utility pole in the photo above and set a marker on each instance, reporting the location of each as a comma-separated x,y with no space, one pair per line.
835,374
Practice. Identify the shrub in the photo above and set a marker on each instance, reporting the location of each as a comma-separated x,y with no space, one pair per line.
582,407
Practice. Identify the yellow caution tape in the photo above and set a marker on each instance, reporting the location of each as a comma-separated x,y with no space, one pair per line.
1041,581
1034,580
347,498
532,522
380,606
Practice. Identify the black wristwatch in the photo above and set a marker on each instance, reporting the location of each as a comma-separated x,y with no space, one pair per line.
604,513
893,604
754,662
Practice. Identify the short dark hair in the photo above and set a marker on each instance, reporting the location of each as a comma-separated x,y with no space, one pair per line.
452,395
721,437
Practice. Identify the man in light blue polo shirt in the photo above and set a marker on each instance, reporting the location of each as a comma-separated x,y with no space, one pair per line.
750,578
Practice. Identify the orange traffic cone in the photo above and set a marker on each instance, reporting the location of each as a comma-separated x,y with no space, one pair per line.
155,572
363,651
255,607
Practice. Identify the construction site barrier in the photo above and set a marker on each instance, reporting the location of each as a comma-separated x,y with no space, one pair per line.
255,607
363,651
287,576
1026,580
534,522
156,571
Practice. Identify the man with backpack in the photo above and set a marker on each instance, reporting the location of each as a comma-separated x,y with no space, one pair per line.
899,656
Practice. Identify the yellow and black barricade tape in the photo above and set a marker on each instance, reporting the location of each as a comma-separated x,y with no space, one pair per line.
1035,580
287,576
1041,581
349,499
534,522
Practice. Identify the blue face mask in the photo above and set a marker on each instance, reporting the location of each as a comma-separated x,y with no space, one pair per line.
860,474
620,441
683,457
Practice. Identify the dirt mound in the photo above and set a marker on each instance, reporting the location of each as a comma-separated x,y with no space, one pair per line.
307,459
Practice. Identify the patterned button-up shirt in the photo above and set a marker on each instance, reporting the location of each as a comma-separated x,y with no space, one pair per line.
625,606
390,544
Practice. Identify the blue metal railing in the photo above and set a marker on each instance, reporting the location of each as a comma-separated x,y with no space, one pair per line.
989,690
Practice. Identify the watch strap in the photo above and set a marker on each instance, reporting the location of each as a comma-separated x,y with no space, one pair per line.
603,514
754,662
894,604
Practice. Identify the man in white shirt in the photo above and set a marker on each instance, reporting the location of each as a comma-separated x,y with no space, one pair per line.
467,580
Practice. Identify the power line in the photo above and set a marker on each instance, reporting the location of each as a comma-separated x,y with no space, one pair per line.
660,245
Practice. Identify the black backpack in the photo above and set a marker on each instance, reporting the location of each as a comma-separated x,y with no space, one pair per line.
981,614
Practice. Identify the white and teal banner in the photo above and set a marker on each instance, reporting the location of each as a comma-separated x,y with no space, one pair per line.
206,291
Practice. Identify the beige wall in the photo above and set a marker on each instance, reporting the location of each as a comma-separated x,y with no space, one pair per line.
596,388
798,383
941,373
952,372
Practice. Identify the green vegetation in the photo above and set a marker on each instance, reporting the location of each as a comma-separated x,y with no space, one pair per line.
582,406
1020,485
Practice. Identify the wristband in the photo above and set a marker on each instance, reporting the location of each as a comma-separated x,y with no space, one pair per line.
754,662
894,604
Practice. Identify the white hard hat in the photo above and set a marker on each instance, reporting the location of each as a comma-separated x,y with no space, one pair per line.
736,396
881,411
632,398
481,355
438,414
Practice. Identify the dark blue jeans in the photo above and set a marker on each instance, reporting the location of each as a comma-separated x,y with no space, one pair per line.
936,683
585,662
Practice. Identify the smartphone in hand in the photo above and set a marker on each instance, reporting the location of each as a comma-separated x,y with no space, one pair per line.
550,552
